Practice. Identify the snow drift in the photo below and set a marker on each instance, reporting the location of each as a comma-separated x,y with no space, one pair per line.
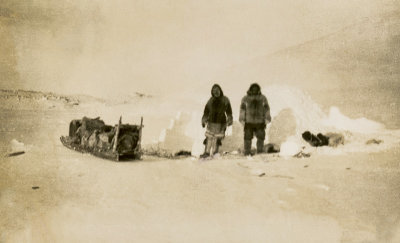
293,112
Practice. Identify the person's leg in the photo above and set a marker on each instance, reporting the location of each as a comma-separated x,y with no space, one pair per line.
247,147
205,145
260,135
260,146
248,136
216,148
218,144
207,148
207,142
214,131
219,136
213,145
208,145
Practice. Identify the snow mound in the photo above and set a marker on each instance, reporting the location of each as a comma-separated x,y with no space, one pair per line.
17,146
308,114
289,148
293,112
361,125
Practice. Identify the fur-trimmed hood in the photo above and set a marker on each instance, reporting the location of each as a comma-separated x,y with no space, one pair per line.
254,85
220,90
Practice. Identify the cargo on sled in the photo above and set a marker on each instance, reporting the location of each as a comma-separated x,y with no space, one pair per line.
119,142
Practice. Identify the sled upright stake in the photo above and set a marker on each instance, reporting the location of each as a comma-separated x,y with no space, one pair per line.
138,147
116,135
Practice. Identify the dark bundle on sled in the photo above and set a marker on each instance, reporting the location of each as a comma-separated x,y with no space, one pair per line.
119,142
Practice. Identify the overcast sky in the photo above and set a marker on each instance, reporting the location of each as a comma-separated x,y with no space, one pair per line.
102,47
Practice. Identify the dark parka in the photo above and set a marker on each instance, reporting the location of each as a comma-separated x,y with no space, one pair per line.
254,108
218,109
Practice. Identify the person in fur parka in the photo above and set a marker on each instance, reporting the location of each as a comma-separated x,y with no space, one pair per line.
217,116
254,116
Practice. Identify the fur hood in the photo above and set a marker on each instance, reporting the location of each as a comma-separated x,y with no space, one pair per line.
220,90
254,85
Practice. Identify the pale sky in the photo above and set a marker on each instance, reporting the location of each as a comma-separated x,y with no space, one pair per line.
102,47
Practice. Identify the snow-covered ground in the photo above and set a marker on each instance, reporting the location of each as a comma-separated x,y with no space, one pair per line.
52,194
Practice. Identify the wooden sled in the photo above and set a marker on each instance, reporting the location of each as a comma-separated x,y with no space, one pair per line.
114,152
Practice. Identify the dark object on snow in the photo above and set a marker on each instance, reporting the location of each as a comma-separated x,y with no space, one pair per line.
183,153
301,154
271,148
329,139
15,153
205,155
35,187
374,141
95,137
315,141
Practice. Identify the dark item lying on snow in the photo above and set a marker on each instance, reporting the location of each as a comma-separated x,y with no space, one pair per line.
183,153
15,153
374,141
123,141
271,148
301,154
329,139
